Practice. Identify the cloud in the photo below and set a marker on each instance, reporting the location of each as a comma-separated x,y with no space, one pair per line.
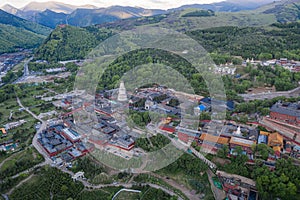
161,4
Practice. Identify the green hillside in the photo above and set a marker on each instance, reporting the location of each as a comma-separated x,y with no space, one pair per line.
278,40
9,19
72,42
247,33
18,33
186,20
284,11
191,19
68,42
12,38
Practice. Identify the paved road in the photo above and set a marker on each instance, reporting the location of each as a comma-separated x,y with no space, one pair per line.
184,147
34,140
126,190
89,185
26,70
182,188
5,196
282,129
271,95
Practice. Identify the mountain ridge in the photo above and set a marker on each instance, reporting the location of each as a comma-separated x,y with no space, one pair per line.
54,6
17,33
74,14
227,6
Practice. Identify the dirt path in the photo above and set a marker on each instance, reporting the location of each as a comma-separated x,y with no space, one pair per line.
19,184
34,154
182,188
9,158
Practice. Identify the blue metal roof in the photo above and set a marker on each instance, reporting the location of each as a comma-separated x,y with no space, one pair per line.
262,139
202,107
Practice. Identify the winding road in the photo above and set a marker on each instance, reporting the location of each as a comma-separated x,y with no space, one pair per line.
34,140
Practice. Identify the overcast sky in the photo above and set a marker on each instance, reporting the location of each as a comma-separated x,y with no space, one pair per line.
162,4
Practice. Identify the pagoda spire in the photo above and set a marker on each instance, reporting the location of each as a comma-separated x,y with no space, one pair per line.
122,96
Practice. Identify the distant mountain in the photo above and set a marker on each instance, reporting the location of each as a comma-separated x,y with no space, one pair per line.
285,10
9,19
52,14
227,6
68,42
49,18
86,17
10,9
19,33
77,16
54,6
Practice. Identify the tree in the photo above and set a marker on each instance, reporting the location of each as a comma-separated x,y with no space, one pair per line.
237,61
174,102
265,56
223,152
262,151
282,183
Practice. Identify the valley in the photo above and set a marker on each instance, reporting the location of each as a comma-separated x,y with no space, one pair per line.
149,124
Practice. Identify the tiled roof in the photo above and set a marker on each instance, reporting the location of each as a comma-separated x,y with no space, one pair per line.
241,142
275,139
290,109
215,139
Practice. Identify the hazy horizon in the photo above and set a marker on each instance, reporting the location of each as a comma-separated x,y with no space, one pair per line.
154,4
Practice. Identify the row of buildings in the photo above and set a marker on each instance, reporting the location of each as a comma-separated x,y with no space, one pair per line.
211,140
9,144
63,142
286,112
111,130
8,60
292,65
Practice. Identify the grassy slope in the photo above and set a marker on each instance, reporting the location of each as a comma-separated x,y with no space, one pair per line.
261,17
9,19
71,42
250,41
13,37
19,33
249,18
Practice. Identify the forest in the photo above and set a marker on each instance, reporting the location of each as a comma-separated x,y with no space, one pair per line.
200,13
13,38
69,43
16,33
153,143
275,41
278,40
224,43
